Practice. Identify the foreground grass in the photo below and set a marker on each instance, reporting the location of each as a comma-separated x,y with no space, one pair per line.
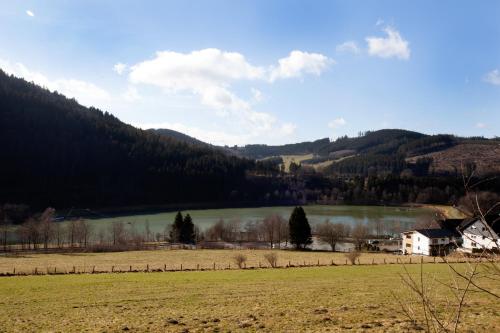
317,299
173,259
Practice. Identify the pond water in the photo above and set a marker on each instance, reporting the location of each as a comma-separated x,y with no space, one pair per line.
391,218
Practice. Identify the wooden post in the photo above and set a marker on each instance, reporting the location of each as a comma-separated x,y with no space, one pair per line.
245,265
289,263
165,267
318,262
93,269
198,267
36,270
346,261
359,262
214,266
74,271
112,269
14,271
421,260
259,265
181,267
384,261
410,260
434,259
130,268
147,268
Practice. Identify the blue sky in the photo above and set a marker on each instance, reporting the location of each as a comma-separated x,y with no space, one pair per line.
237,72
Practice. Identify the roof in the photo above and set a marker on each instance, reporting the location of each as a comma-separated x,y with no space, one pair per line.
492,220
436,233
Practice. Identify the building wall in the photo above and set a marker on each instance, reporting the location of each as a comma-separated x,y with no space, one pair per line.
476,236
420,244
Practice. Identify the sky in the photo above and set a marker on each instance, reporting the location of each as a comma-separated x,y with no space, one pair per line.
275,72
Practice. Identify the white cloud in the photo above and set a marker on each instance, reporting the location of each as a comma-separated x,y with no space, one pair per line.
348,47
84,92
391,46
30,13
131,95
481,125
493,77
210,73
336,123
257,95
207,73
298,63
119,68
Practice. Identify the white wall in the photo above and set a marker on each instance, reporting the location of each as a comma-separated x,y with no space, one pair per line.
482,238
420,244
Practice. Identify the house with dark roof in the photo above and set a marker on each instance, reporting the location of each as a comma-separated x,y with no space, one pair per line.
430,242
479,234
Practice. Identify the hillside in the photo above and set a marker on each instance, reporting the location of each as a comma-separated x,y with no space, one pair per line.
178,136
485,156
57,152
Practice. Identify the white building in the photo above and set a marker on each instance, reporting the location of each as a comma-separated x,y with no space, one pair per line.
429,242
480,234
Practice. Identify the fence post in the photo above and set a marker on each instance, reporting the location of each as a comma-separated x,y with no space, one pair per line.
93,269
384,261
318,262
14,271
198,267
74,271
112,269
410,260
289,263
346,261
147,268
36,270
214,266
130,268
359,263
421,260
259,265
181,267
165,267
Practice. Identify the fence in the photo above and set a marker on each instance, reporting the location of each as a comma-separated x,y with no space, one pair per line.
147,268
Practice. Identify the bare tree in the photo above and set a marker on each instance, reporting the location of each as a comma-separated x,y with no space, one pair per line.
118,233
240,259
272,259
331,233
46,226
352,256
359,235
83,232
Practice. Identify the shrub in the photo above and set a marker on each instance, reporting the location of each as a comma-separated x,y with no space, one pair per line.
272,259
352,256
240,260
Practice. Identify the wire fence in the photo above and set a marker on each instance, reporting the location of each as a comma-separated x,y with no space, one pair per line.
150,268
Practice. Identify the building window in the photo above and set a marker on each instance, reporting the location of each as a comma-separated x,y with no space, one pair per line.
473,244
408,236
408,245
418,239
419,247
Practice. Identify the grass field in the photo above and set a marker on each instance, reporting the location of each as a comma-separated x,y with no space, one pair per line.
320,299
173,259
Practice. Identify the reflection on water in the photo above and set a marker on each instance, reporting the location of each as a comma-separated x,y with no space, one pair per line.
374,216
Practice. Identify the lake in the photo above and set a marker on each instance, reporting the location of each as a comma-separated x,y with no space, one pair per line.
400,217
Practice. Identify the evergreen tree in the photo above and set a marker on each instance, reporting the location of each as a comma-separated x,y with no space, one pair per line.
176,232
300,230
187,231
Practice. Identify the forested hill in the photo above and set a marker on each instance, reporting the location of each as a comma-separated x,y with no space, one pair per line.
57,152
177,136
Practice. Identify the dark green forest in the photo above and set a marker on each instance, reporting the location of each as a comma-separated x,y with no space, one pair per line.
58,153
